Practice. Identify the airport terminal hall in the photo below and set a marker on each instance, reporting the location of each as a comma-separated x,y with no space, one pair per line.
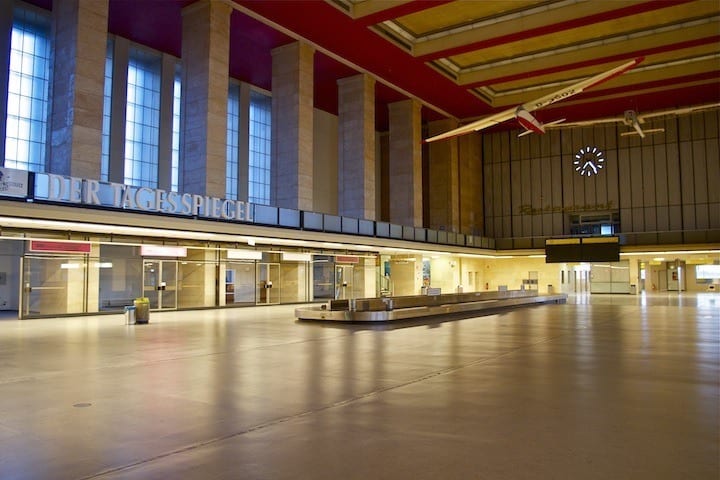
359,239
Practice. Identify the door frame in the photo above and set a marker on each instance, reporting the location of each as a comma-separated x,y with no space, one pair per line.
162,284
266,286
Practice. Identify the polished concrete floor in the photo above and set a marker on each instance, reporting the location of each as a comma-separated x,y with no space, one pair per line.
604,387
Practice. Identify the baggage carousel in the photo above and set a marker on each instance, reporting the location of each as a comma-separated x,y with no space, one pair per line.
387,309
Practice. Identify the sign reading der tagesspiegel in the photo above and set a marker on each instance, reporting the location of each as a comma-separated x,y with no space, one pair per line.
59,188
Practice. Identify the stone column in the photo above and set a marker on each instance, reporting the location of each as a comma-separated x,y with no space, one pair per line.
405,163
80,28
443,181
292,126
206,57
356,147
6,23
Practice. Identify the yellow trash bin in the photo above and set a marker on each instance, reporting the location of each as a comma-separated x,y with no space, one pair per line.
142,310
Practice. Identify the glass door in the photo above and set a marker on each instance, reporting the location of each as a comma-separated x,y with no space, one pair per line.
240,283
343,282
268,284
323,274
160,283
53,286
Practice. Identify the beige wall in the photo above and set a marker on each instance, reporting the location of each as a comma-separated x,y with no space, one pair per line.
444,272
406,274
512,271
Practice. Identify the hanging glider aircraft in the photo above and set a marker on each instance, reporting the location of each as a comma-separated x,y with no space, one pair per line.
522,112
634,120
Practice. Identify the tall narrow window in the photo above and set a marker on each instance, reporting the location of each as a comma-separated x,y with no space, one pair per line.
233,127
107,107
28,98
142,121
175,167
260,136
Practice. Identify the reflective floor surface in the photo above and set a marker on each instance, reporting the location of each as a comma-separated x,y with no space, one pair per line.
603,387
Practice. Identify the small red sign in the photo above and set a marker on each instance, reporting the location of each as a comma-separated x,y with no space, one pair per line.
346,259
59,247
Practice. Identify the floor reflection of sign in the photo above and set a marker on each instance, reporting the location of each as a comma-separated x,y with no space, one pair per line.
3,278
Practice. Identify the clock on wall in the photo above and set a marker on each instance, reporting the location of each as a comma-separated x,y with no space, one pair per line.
589,161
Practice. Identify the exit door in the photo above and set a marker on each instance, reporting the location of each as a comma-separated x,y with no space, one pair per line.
343,282
268,284
160,283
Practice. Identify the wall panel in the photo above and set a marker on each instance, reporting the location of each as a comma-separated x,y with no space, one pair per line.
636,178
650,219
697,125
663,219
558,224
611,169
712,123
676,217
700,174
712,153
625,187
684,129
687,171
537,226
648,175
527,223
505,182
701,216
547,226
714,215
507,226
673,174
661,185
671,130
688,217
638,219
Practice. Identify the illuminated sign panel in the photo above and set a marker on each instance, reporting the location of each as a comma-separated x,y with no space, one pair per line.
79,191
346,259
46,246
239,254
162,251
296,257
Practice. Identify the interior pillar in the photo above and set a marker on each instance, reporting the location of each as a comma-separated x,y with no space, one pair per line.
356,146
206,57
405,163
292,126
80,28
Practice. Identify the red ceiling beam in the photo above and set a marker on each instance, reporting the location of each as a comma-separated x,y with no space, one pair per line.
698,77
555,27
399,11
596,61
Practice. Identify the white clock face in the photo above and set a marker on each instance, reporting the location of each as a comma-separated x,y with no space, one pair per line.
589,161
